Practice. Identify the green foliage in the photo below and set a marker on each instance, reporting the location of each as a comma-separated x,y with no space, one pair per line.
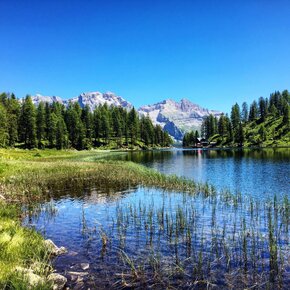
209,126
20,248
3,127
267,124
28,123
54,126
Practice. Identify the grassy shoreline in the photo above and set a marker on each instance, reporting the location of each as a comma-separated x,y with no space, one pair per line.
28,176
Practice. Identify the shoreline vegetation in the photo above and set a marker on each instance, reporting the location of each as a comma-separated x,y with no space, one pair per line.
25,125
265,123
28,176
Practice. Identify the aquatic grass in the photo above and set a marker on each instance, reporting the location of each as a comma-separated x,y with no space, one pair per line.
30,178
194,237
20,248
199,242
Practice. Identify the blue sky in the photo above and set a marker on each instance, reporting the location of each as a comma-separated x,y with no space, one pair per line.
214,53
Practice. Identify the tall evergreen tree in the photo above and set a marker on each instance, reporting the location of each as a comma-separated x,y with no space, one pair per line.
286,116
61,134
235,116
87,120
222,126
28,123
133,124
262,108
253,114
13,112
4,136
40,124
245,112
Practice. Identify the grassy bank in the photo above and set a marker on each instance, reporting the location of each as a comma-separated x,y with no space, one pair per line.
28,175
20,248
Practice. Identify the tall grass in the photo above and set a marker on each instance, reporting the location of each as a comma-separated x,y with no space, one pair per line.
19,247
23,176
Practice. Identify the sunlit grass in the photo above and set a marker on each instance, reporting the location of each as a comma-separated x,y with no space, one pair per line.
245,243
19,247
26,176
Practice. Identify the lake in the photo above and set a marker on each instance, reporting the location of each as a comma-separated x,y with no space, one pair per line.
144,237
255,172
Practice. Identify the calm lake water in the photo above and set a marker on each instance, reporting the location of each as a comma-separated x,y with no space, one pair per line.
144,237
254,172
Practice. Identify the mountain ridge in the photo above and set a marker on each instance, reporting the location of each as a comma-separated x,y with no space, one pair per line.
175,117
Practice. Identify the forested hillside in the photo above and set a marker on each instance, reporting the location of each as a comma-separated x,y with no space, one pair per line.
265,122
22,124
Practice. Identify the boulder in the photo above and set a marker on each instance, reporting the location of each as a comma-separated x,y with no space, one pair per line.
32,279
53,249
79,274
85,266
58,281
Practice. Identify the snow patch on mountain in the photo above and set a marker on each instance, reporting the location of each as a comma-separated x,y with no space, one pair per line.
184,115
174,117
38,98
92,99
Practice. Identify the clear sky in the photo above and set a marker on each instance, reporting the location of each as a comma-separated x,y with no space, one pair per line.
214,53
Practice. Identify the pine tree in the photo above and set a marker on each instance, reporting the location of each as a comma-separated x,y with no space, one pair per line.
117,125
51,126
87,120
61,134
239,135
245,112
286,117
235,116
253,114
13,111
262,108
28,123
4,136
262,133
40,124
74,125
133,124
97,124
158,135
222,126
105,124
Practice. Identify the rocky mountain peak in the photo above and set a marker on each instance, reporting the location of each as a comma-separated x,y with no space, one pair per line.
174,117
177,117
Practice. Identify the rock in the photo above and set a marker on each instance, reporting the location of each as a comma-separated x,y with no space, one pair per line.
80,274
32,279
177,117
53,249
79,286
85,266
58,281
74,278
72,253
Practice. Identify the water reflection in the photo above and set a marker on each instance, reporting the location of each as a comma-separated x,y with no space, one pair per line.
140,238
257,172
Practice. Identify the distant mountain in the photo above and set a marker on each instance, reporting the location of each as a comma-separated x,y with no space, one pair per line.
177,117
174,117
92,99
95,99
45,99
